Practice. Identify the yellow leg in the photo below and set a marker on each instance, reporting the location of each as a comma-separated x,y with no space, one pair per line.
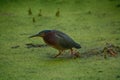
60,51
72,51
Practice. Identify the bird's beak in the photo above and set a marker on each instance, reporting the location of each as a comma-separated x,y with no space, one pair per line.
36,35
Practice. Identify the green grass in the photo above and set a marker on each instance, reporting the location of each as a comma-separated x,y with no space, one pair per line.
91,30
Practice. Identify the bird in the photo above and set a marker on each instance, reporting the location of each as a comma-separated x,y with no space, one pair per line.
58,40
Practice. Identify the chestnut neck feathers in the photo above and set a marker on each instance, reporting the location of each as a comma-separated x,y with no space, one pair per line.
49,38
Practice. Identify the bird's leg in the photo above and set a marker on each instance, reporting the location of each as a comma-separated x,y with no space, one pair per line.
60,51
74,53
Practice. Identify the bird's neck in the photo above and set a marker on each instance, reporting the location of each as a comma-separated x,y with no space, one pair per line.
49,39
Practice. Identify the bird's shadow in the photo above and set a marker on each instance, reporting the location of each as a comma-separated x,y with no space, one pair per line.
62,57
31,45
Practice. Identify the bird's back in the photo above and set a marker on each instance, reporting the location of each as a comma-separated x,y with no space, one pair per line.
65,41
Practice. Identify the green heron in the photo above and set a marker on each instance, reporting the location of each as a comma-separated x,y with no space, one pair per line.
58,40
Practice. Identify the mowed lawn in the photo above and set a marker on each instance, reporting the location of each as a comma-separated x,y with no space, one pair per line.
91,23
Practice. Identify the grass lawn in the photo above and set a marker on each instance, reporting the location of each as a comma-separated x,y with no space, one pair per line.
91,23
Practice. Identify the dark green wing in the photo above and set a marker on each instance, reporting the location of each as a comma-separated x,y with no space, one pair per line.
65,41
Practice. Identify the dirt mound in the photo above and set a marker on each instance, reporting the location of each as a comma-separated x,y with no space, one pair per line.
107,51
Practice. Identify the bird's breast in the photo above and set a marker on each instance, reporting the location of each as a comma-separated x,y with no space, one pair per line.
50,40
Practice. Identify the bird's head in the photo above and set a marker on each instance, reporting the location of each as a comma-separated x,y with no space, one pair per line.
41,34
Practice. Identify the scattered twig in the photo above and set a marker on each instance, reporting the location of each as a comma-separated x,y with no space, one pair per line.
109,49
31,45
29,11
14,47
33,19
40,14
58,13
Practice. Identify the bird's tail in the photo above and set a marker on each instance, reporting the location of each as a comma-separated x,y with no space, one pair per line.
77,46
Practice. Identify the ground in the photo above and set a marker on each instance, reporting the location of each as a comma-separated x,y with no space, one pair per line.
91,23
